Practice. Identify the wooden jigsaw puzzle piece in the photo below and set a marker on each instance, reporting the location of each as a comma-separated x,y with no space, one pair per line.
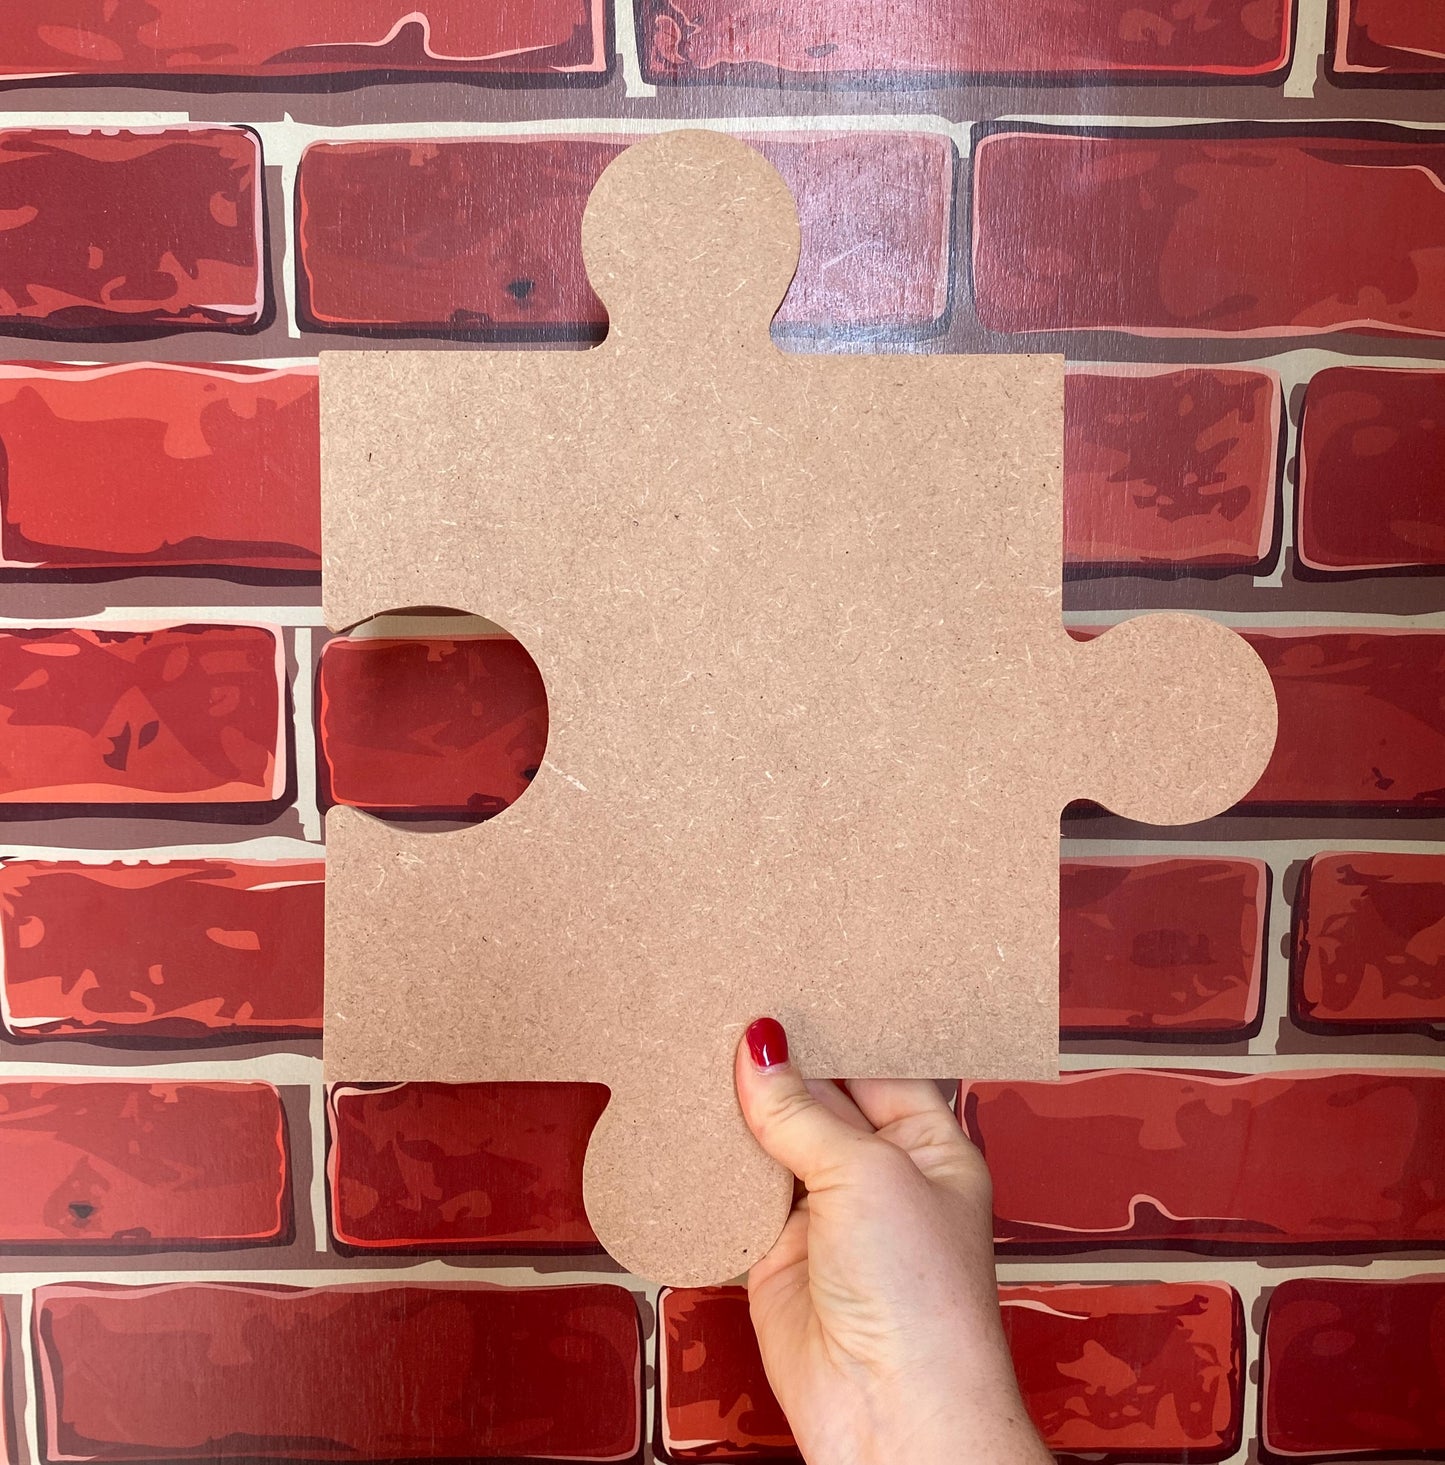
813,713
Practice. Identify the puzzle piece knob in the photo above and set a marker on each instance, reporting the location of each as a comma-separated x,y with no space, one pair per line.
690,236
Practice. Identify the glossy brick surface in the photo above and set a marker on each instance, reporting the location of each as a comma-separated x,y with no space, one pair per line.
1160,946
125,467
144,228
1142,1155
485,235
461,1167
1354,1368
185,950
175,715
1141,234
1369,941
1372,459
141,1166
722,40
339,1373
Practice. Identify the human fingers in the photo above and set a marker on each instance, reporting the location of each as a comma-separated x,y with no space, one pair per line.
787,1118
913,1115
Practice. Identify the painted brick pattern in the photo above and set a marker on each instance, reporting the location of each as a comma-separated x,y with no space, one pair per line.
271,38
229,456
1134,1372
1207,1158
1196,489
473,235
168,235
180,714
689,40
186,950
1354,1367
1369,941
1388,41
195,199
455,726
1381,695
274,1373
461,1167
1078,232
1161,946
141,1165
1372,458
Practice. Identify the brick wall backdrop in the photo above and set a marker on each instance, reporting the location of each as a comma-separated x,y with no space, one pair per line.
1221,1237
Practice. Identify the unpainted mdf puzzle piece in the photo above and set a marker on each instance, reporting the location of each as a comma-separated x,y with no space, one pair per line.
813,711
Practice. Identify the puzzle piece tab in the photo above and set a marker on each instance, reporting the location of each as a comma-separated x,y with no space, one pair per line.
813,712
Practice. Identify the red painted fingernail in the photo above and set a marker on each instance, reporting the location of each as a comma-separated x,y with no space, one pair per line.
767,1043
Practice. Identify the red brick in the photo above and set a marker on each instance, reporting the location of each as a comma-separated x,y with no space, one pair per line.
452,726
1188,1158
1369,941
1161,945
1388,38
1142,1371
1139,1371
159,465
139,228
462,1167
1141,233
369,1372
486,233
713,1397
184,949
136,1166
1170,468
1354,1368
180,714
1361,719
277,38
726,40
1371,466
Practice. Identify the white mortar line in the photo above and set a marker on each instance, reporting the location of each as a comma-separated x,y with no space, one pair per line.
265,847
624,42
284,1069
1311,28
304,731
316,1117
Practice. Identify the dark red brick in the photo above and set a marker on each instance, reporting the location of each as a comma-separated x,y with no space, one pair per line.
1361,719
1369,940
452,726
485,233
1141,233
1354,1368
137,1166
1170,468
1161,945
1140,1371
160,465
277,38
142,228
182,714
1371,466
723,40
1388,39
185,949
1297,1160
713,1397
369,1372
462,1167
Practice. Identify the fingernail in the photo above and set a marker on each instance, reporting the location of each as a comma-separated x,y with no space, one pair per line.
767,1043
